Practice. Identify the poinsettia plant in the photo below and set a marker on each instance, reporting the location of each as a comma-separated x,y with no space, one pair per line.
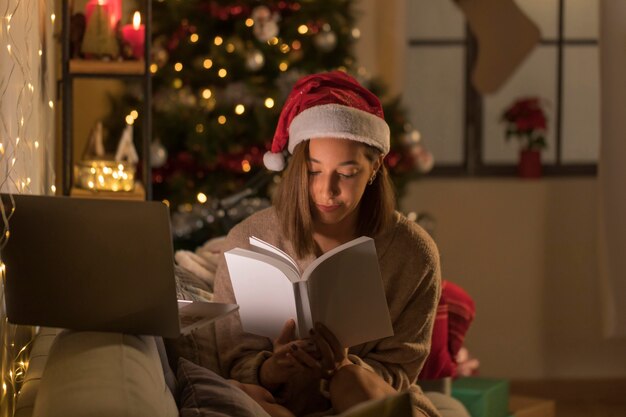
527,122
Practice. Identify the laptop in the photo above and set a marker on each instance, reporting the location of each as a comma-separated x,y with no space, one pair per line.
96,264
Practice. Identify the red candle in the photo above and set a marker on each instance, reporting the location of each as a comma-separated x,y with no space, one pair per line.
134,35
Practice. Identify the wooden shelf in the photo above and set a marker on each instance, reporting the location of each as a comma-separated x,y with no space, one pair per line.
83,66
138,193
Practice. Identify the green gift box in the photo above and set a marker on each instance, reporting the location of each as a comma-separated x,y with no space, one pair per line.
482,397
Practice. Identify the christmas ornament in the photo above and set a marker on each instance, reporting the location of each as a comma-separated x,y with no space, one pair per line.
237,93
160,56
158,154
95,144
99,39
411,138
423,159
255,60
326,40
265,23
126,150
186,97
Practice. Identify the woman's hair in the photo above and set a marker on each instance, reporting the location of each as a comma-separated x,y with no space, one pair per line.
292,202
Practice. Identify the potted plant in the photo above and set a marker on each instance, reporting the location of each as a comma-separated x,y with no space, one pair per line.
526,121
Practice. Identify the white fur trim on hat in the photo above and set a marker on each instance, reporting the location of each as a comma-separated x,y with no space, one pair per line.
274,161
339,121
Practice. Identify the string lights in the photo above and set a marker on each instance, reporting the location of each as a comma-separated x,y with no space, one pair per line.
26,153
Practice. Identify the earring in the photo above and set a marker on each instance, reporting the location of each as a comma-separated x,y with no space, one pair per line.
371,180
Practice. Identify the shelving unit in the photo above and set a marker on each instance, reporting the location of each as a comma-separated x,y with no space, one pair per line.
79,68
86,67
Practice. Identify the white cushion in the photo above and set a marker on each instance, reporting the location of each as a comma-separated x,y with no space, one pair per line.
103,374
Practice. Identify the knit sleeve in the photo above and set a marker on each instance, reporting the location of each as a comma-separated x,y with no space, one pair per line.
240,354
412,276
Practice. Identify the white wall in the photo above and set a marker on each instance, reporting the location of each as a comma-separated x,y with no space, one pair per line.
526,252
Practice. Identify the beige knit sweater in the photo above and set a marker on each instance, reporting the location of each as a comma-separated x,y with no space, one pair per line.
409,263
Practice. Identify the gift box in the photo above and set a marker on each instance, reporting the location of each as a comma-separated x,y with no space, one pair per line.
483,397
521,406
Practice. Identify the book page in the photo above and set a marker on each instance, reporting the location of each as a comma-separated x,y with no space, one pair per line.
263,289
346,293
195,314
273,251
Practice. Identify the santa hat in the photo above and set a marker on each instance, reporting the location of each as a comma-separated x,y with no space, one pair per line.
331,104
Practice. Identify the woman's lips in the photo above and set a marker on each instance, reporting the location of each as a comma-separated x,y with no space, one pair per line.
328,209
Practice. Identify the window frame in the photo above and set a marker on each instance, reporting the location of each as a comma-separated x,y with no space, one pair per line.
473,140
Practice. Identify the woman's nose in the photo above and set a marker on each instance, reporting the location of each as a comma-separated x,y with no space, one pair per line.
331,186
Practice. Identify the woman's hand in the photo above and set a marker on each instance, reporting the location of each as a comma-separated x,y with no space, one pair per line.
332,355
290,357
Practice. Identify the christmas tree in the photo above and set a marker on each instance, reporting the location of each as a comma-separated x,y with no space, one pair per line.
221,72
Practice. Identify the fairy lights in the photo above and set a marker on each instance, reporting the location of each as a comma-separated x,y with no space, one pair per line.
206,94
104,175
27,112
208,63
240,109
269,102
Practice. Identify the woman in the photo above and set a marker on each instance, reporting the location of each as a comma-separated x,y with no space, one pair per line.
335,188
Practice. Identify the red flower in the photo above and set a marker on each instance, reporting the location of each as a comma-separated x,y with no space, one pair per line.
526,120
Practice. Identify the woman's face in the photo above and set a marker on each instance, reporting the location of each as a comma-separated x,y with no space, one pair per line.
338,174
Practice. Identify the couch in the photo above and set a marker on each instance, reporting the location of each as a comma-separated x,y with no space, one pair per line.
77,374
80,374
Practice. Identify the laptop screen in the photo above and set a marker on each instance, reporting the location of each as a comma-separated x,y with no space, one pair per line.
90,264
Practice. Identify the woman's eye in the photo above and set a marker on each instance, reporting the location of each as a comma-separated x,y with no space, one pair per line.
350,175
313,173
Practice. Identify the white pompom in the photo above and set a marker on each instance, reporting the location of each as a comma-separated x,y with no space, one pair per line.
274,161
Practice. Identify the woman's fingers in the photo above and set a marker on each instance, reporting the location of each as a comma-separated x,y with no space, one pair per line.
303,357
327,356
331,339
287,334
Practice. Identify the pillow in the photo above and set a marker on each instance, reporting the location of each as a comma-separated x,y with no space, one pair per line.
455,313
103,374
203,393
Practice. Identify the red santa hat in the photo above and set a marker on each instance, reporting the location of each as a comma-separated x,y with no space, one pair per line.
331,104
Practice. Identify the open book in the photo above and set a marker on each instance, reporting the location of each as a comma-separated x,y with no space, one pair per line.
342,289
